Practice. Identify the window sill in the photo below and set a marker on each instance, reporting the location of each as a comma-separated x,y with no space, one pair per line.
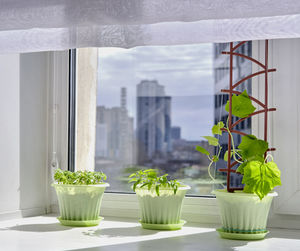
195,209
45,233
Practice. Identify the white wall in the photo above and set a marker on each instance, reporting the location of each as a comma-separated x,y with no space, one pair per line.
9,133
33,129
23,134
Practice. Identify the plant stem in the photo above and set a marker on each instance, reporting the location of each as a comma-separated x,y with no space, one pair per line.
233,147
213,179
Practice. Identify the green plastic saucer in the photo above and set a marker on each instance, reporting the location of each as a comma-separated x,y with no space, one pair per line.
240,236
176,226
79,223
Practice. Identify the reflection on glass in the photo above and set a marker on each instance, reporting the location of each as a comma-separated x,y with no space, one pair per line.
153,106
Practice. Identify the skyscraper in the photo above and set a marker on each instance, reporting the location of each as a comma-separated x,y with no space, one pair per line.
153,120
115,133
176,132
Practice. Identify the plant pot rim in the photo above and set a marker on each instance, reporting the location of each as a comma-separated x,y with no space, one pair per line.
92,185
183,187
223,192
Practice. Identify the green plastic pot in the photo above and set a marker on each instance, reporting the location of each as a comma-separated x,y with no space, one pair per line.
79,205
161,212
243,213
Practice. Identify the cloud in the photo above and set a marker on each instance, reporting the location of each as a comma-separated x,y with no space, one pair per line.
194,114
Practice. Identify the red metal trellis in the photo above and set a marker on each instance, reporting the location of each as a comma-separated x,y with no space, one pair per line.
265,109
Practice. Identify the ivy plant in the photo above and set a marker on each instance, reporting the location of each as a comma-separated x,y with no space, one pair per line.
79,177
150,178
259,175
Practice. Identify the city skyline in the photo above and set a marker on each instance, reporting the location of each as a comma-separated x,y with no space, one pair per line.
120,105
160,102
185,71
156,143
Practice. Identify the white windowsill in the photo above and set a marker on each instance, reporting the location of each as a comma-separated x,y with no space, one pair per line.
201,210
45,233
195,209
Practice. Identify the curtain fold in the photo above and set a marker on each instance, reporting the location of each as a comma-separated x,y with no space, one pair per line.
36,25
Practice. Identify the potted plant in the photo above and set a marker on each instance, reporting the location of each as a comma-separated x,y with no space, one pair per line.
160,199
244,213
79,197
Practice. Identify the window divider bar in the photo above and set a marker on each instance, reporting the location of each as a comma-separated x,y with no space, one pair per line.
72,110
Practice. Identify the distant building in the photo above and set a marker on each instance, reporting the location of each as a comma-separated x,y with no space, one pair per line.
115,133
184,151
153,120
175,132
184,156
101,140
241,69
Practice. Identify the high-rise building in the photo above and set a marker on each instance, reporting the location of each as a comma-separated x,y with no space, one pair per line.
115,133
101,139
241,69
124,98
175,132
153,121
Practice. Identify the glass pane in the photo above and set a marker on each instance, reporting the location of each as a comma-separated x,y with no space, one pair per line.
153,105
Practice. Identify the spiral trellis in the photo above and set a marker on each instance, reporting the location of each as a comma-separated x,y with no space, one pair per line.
264,105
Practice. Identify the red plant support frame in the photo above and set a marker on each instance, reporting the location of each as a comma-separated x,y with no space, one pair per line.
265,109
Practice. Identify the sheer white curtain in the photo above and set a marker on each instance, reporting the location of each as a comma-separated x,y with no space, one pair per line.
37,25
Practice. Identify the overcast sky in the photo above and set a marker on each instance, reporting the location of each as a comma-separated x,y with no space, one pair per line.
185,71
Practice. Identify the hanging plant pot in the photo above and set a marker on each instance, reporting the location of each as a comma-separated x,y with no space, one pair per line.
161,212
243,215
79,205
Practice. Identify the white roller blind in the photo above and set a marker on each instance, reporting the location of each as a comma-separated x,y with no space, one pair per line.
38,25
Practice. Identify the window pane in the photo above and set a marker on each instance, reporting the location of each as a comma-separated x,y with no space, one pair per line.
153,105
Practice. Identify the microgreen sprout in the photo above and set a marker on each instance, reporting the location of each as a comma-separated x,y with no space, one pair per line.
79,177
149,178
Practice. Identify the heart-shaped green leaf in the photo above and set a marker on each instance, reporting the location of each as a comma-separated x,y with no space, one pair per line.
212,140
260,177
226,155
241,167
202,150
241,105
216,129
252,148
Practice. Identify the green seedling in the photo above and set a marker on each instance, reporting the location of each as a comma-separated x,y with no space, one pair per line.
79,177
149,178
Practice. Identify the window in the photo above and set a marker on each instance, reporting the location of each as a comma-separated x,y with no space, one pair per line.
153,106
279,97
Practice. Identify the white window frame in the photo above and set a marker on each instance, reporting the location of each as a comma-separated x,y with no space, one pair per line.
58,112
283,90
34,75
195,209
204,209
